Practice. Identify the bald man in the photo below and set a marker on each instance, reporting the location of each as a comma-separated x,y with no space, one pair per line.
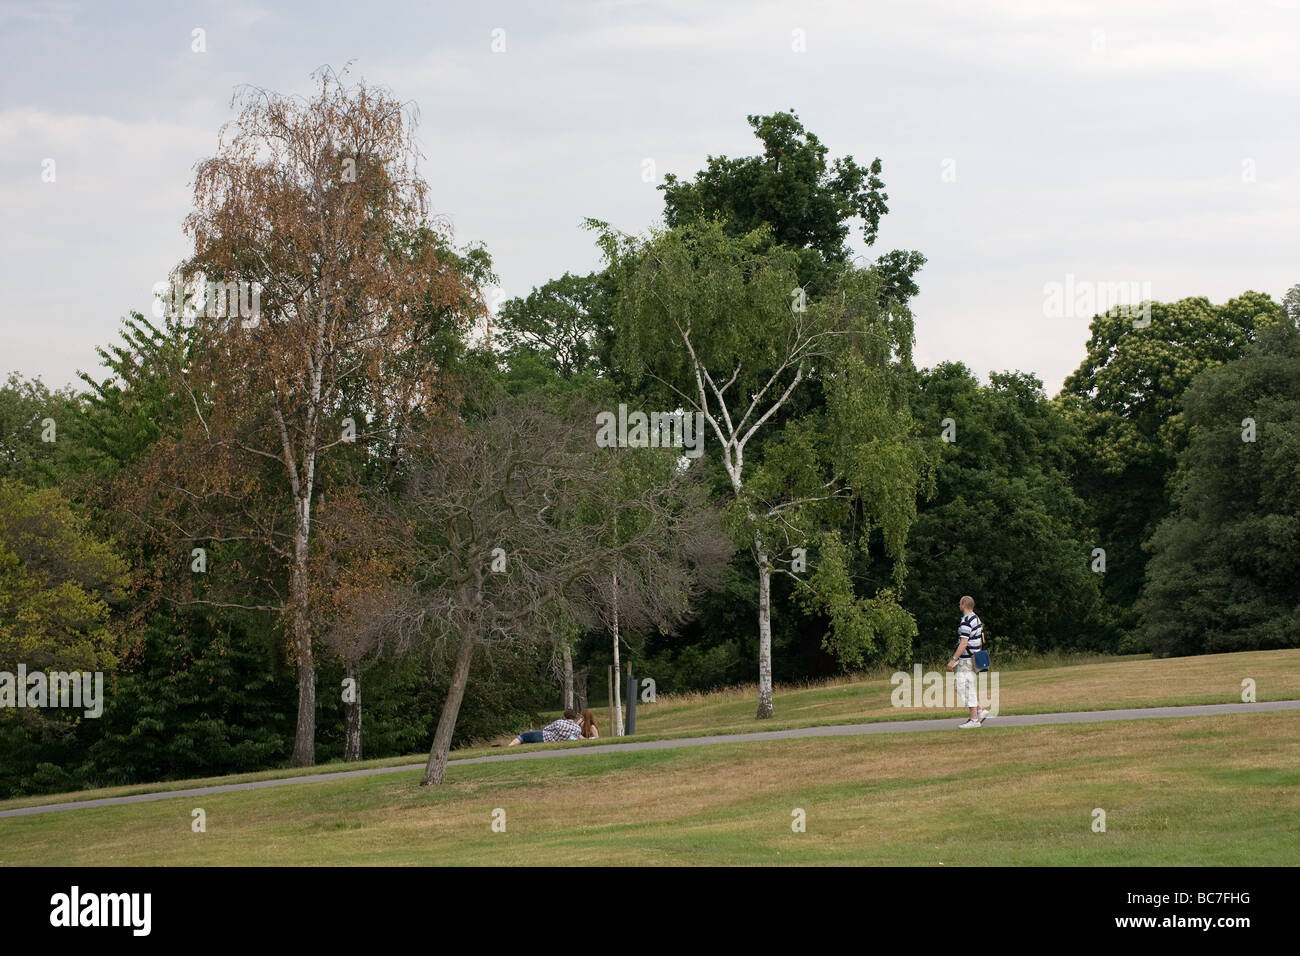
970,638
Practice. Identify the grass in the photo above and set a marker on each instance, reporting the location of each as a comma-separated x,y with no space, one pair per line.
1221,790
1056,683
1094,684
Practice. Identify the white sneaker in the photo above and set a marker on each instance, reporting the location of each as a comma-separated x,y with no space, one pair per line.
983,715
969,723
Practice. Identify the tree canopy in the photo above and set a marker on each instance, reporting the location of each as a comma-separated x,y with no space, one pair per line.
1225,565
718,326
1126,398
807,200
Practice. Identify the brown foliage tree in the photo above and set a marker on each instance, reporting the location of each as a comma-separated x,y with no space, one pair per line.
319,205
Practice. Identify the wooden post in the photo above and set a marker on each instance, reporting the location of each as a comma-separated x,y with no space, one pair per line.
629,723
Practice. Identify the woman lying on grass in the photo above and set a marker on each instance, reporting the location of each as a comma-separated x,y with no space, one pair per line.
566,728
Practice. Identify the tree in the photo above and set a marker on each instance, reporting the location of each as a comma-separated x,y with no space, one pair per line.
1126,398
1224,573
375,461
746,347
57,583
320,205
497,530
194,697
635,592
349,575
807,202
1003,523
35,430
558,326
137,401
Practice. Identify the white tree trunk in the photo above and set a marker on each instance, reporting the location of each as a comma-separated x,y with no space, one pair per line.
764,633
618,696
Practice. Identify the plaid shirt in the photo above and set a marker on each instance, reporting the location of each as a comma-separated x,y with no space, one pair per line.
562,729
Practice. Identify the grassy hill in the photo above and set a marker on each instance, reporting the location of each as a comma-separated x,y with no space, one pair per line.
1031,687
1208,790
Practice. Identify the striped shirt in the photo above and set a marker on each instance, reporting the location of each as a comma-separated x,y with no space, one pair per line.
562,729
971,628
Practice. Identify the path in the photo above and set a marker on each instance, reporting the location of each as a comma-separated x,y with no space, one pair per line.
835,730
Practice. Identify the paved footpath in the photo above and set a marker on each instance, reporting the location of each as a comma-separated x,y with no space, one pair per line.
834,730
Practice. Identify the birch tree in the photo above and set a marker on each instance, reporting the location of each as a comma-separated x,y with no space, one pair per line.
804,401
319,205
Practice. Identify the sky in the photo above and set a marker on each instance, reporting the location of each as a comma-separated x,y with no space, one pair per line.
1028,147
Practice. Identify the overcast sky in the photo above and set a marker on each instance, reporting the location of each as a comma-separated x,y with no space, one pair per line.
1151,142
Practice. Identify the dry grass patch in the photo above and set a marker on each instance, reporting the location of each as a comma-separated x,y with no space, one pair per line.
1094,685
1023,688
1194,790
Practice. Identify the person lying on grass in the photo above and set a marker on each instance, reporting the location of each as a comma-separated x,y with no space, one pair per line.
566,728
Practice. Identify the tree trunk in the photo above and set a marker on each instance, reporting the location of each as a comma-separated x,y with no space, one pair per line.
568,678
437,765
352,714
580,690
618,697
764,634
304,741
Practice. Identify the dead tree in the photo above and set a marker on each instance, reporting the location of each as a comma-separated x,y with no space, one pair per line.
506,521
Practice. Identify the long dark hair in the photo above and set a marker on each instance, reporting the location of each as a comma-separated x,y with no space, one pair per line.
588,722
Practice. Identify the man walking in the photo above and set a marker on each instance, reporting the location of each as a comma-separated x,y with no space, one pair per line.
970,638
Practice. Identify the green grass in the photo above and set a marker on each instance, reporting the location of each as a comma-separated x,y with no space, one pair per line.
1221,790
1055,683
1093,683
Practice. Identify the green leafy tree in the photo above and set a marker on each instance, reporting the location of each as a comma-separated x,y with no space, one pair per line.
808,201
134,400
57,582
709,320
558,328
192,692
1225,565
200,699
1127,399
37,431
1003,523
